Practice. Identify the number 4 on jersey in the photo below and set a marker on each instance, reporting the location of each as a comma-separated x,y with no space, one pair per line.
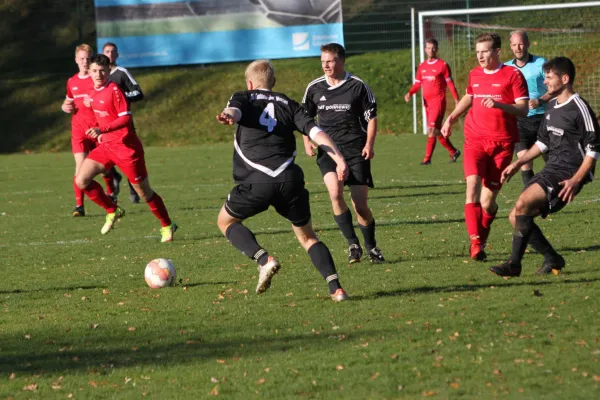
267,118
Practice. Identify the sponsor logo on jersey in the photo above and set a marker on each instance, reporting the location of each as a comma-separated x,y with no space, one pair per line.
75,88
335,107
268,97
496,84
102,114
555,130
434,70
322,98
493,96
423,71
476,85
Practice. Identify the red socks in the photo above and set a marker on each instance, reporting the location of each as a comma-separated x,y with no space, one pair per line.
96,194
486,224
429,148
473,218
159,210
108,179
447,144
78,195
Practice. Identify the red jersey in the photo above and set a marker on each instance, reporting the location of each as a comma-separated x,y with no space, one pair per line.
505,85
112,113
434,77
77,90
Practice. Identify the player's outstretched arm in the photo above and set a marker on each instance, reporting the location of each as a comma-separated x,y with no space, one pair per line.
332,150
462,106
229,116
512,169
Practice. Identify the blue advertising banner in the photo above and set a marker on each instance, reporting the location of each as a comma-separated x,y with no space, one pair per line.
175,32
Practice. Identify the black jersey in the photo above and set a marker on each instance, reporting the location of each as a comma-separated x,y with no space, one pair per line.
127,84
343,111
265,146
569,132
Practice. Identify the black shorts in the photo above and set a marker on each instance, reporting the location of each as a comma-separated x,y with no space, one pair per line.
360,170
290,200
550,180
528,130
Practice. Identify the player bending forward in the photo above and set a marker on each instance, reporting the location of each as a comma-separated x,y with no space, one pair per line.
571,136
434,76
266,175
496,94
118,145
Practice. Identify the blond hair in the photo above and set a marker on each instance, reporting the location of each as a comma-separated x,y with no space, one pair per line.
519,32
84,47
261,73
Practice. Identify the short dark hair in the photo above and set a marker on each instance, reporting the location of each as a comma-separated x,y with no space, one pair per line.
490,37
100,59
432,41
334,48
561,66
110,44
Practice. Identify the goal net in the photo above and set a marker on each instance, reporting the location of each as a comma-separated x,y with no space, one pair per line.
567,29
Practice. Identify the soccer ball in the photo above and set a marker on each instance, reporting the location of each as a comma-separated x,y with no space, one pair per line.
159,273
301,12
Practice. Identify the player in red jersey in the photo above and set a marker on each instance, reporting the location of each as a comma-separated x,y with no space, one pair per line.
434,75
118,145
496,95
78,88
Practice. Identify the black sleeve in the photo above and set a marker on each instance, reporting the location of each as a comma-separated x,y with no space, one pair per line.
542,135
239,100
590,131
368,104
304,123
132,90
310,108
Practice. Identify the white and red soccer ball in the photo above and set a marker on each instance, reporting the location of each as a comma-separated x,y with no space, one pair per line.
160,273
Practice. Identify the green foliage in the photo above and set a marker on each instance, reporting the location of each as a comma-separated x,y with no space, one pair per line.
181,103
76,317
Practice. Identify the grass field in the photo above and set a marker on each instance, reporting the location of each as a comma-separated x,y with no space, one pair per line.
77,320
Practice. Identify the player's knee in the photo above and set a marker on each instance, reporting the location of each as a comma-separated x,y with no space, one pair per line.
361,208
82,182
521,207
512,217
145,193
337,197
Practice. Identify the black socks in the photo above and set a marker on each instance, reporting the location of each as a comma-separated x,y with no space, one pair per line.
321,258
244,240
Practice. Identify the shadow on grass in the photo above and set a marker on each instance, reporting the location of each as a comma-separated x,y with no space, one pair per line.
52,289
469,288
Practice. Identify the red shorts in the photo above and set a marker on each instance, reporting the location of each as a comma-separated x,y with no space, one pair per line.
128,157
81,143
435,109
487,159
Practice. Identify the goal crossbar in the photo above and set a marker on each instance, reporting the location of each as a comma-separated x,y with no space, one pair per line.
474,11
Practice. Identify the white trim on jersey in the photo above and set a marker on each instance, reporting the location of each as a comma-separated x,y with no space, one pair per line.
126,72
583,154
521,98
124,113
417,81
68,98
262,168
432,62
565,103
369,93
485,71
587,118
541,146
331,87
314,132
311,84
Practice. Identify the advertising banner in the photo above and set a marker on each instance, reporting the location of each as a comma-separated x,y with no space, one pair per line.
175,32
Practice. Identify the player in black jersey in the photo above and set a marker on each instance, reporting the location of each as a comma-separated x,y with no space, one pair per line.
570,134
266,175
347,111
133,92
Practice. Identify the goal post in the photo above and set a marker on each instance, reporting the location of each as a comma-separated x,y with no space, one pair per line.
561,29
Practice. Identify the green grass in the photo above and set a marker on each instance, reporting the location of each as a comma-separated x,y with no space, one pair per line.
76,317
180,104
